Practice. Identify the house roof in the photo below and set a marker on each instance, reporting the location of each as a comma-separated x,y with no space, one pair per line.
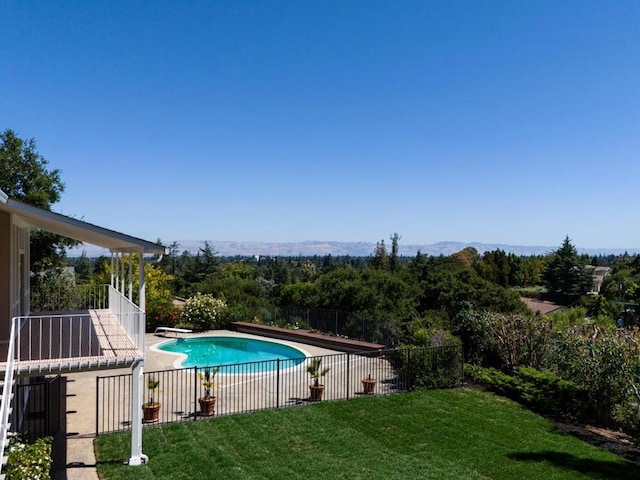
542,306
57,223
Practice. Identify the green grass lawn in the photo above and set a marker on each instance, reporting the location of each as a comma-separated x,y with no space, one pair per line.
450,434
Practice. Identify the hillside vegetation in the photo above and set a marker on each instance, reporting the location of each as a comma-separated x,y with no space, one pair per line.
580,364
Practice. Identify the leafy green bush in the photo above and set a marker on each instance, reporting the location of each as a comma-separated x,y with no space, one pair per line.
541,391
29,461
202,311
505,341
606,364
431,367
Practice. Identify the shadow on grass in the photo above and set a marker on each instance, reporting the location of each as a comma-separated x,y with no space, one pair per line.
622,470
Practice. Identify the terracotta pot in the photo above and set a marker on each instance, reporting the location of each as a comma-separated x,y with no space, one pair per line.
369,385
316,392
150,413
207,405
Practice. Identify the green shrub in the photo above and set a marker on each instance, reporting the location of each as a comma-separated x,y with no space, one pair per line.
29,461
541,391
431,367
505,341
234,313
605,363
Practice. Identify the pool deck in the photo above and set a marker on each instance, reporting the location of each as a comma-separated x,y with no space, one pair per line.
79,432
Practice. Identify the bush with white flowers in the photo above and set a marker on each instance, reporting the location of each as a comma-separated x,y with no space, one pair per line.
202,311
29,460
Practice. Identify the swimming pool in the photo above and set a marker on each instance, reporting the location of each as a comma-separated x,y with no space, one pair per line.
212,351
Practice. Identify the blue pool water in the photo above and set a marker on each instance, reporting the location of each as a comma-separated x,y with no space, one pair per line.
211,351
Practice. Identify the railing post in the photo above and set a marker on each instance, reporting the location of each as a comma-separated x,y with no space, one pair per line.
137,457
195,393
278,383
348,373
97,404
461,349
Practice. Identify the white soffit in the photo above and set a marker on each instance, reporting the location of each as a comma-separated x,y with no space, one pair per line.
77,229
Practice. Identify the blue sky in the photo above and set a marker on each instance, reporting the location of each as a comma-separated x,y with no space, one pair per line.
490,121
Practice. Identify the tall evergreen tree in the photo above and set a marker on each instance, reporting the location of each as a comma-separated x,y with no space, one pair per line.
394,263
380,258
566,276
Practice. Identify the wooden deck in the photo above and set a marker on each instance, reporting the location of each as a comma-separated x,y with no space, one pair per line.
55,342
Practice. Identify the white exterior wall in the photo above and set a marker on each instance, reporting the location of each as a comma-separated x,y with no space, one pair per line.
20,237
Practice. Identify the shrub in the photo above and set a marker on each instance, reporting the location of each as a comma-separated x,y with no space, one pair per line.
202,311
434,337
505,341
541,391
431,367
606,364
29,461
162,316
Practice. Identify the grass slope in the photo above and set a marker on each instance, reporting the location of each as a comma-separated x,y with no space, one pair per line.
450,434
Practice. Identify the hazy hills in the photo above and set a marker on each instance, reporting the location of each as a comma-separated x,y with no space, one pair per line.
355,249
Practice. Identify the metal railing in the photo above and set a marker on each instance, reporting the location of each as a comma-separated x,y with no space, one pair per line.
129,315
7,394
73,335
50,337
63,298
355,325
247,387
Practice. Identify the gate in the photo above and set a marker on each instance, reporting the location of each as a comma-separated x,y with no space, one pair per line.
41,407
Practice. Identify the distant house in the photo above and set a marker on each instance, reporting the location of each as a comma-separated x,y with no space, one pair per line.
541,306
599,274
106,332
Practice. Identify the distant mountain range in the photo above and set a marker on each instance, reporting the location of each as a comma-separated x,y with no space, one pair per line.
354,249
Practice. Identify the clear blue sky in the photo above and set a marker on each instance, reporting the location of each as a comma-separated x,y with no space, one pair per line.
513,122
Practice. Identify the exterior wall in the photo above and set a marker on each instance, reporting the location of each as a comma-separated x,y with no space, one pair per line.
5,275
14,272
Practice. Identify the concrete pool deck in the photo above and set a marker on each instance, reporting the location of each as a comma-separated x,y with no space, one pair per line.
77,458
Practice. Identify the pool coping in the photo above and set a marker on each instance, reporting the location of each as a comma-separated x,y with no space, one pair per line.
156,359
181,357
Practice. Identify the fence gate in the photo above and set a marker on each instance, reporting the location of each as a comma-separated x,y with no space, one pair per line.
41,402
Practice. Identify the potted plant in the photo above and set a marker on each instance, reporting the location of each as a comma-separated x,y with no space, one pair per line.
316,373
151,408
369,385
208,402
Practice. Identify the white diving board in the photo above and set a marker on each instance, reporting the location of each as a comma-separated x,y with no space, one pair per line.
164,330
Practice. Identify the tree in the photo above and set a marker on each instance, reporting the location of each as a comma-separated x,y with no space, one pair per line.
468,256
393,260
380,258
567,277
24,176
494,267
208,263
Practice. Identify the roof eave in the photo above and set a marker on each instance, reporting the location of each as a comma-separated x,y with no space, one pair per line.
78,229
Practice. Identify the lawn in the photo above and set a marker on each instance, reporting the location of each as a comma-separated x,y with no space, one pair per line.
450,434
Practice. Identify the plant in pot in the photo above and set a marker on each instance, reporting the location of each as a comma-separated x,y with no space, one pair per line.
316,388
151,408
369,385
208,402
